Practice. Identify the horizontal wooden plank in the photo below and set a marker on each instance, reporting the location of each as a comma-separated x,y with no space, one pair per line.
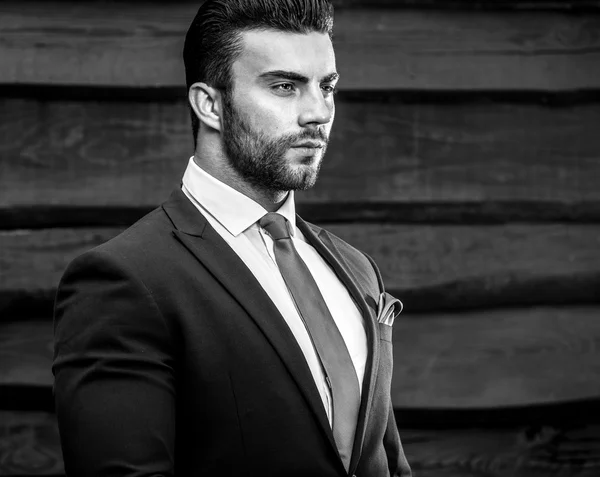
413,257
27,349
30,445
495,358
429,267
32,262
86,43
495,5
131,154
522,452
477,360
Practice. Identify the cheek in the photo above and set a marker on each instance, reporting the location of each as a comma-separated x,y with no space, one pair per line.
271,119
257,110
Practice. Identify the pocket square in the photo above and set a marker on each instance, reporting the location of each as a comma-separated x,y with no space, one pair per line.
388,308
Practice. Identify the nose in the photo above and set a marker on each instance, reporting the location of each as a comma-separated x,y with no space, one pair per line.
316,109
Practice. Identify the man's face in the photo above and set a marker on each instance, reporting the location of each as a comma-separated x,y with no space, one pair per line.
277,119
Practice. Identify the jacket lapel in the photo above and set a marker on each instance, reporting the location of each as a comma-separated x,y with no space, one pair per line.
336,260
196,234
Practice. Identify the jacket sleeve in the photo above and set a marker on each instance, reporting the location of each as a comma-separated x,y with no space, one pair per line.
397,462
113,367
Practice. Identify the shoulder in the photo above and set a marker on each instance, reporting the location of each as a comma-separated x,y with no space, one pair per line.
132,250
105,289
361,264
121,272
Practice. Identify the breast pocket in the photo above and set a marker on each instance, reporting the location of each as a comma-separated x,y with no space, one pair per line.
386,358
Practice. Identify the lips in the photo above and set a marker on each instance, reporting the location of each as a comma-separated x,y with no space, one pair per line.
310,145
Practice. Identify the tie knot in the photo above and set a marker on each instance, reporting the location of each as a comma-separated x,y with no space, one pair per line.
275,225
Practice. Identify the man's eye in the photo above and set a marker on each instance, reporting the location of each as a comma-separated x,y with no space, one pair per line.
329,89
285,87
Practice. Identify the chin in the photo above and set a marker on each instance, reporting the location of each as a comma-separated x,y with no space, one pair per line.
304,176
308,167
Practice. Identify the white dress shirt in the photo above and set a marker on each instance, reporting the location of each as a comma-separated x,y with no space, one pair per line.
234,216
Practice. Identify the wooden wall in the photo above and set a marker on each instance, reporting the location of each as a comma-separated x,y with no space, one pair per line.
465,158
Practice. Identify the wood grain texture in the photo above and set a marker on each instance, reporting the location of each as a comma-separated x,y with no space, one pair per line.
429,267
496,357
413,257
479,360
522,452
494,5
26,352
128,154
86,43
35,260
29,445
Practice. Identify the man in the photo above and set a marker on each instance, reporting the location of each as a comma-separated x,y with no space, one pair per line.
221,334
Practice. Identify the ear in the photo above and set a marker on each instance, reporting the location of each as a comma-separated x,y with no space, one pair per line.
206,103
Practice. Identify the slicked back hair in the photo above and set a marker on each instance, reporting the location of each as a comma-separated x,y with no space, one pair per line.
213,41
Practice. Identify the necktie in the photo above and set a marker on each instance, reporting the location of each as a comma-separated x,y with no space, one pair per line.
327,340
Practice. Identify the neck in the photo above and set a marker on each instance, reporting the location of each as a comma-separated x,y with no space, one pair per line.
270,200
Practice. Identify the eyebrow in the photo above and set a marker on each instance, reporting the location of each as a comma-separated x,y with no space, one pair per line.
290,75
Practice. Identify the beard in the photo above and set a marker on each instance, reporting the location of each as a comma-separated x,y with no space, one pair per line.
261,161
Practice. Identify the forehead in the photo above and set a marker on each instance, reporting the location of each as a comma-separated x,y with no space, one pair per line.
308,54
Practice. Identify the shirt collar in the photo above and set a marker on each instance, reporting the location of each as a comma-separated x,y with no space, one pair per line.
235,211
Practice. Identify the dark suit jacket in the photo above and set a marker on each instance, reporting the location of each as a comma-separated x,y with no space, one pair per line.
170,359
